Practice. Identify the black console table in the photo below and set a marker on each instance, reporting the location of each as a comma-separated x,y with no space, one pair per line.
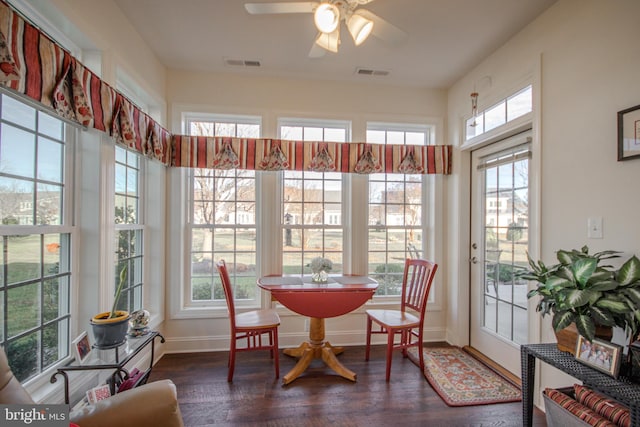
620,389
123,354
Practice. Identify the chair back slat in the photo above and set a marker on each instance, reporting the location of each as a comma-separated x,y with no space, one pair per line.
416,284
228,292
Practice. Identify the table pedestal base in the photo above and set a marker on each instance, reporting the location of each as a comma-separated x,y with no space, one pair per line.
316,348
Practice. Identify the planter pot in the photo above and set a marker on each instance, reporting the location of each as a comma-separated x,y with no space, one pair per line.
320,277
109,333
568,337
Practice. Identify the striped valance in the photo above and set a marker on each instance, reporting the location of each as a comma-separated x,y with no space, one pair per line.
34,65
275,154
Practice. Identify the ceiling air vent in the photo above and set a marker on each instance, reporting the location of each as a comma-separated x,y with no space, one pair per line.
370,72
242,62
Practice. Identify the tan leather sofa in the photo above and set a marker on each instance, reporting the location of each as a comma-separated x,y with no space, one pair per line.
154,404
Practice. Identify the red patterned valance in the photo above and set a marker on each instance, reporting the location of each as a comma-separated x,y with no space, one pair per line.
34,65
276,154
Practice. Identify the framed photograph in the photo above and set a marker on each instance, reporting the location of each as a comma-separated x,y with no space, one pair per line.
82,347
629,133
601,355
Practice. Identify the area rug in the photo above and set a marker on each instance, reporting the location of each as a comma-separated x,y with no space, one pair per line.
461,380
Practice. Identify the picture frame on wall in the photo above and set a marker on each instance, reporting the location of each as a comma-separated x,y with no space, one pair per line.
601,355
82,347
629,133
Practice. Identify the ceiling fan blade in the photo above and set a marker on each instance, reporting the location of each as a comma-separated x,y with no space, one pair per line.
281,7
316,51
383,29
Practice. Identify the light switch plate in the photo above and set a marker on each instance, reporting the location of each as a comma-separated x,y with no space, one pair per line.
594,228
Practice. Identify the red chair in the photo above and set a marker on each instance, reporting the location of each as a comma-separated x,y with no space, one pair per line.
252,326
416,283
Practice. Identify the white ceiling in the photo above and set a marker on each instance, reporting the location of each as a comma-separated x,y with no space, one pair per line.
445,38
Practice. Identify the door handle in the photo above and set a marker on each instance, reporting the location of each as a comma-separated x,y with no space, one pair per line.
473,260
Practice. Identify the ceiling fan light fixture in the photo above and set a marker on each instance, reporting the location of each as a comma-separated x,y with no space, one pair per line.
326,17
359,27
329,41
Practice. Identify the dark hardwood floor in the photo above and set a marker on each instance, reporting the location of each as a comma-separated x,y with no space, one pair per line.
319,397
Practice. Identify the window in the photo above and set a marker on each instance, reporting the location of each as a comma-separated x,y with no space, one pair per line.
129,228
35,235
503,112
395,217
223,219
312,202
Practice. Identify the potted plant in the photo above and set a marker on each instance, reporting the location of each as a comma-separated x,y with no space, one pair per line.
580,290
110,327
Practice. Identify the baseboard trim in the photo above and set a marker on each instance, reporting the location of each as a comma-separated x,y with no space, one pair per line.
188,344
508,375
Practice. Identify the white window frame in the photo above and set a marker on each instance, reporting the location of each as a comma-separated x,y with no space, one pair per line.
478,122
66,227
218,304
270,216
426,249
134,288
344,202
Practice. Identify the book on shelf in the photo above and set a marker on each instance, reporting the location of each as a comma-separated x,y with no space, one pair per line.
98,393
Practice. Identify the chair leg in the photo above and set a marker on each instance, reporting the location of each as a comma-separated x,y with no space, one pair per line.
270,333
274,351
404,341
390,336
232,359
366,351
420,352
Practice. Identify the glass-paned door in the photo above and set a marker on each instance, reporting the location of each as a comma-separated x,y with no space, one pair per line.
500,239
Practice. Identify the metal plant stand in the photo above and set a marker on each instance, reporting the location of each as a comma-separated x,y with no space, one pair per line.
123,354
621,389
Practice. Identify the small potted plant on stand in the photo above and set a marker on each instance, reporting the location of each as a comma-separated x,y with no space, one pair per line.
583,295
110,327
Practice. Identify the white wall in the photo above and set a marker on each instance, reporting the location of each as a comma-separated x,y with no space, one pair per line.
583,57
270,98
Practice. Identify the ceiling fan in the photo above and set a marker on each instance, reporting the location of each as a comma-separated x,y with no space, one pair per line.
327,15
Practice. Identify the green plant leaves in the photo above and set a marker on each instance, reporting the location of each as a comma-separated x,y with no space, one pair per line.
577,298
601,316
586,327
579,288
556,283
605,285
633,294
566,273
562,319
116,298
629,272
613,305
583,269
564,257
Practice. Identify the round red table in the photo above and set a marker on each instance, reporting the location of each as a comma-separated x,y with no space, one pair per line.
339,296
